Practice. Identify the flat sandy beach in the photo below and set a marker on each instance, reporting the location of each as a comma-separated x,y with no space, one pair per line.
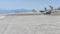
30,24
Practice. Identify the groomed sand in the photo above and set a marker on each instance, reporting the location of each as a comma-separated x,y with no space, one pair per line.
30,24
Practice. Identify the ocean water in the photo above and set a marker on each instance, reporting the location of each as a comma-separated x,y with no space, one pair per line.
6,12
14,11
11,12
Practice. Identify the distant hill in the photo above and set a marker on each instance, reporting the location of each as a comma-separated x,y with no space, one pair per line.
23,10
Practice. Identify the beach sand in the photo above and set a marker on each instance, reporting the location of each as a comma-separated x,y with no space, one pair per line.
30,24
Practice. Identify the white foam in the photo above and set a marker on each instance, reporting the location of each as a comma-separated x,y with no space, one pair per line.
2,17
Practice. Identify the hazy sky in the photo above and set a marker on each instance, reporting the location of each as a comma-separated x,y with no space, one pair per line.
28,4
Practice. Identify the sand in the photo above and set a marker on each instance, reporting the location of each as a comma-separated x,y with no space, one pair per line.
30,24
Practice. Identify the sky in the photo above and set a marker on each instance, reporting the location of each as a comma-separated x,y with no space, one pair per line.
28,4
